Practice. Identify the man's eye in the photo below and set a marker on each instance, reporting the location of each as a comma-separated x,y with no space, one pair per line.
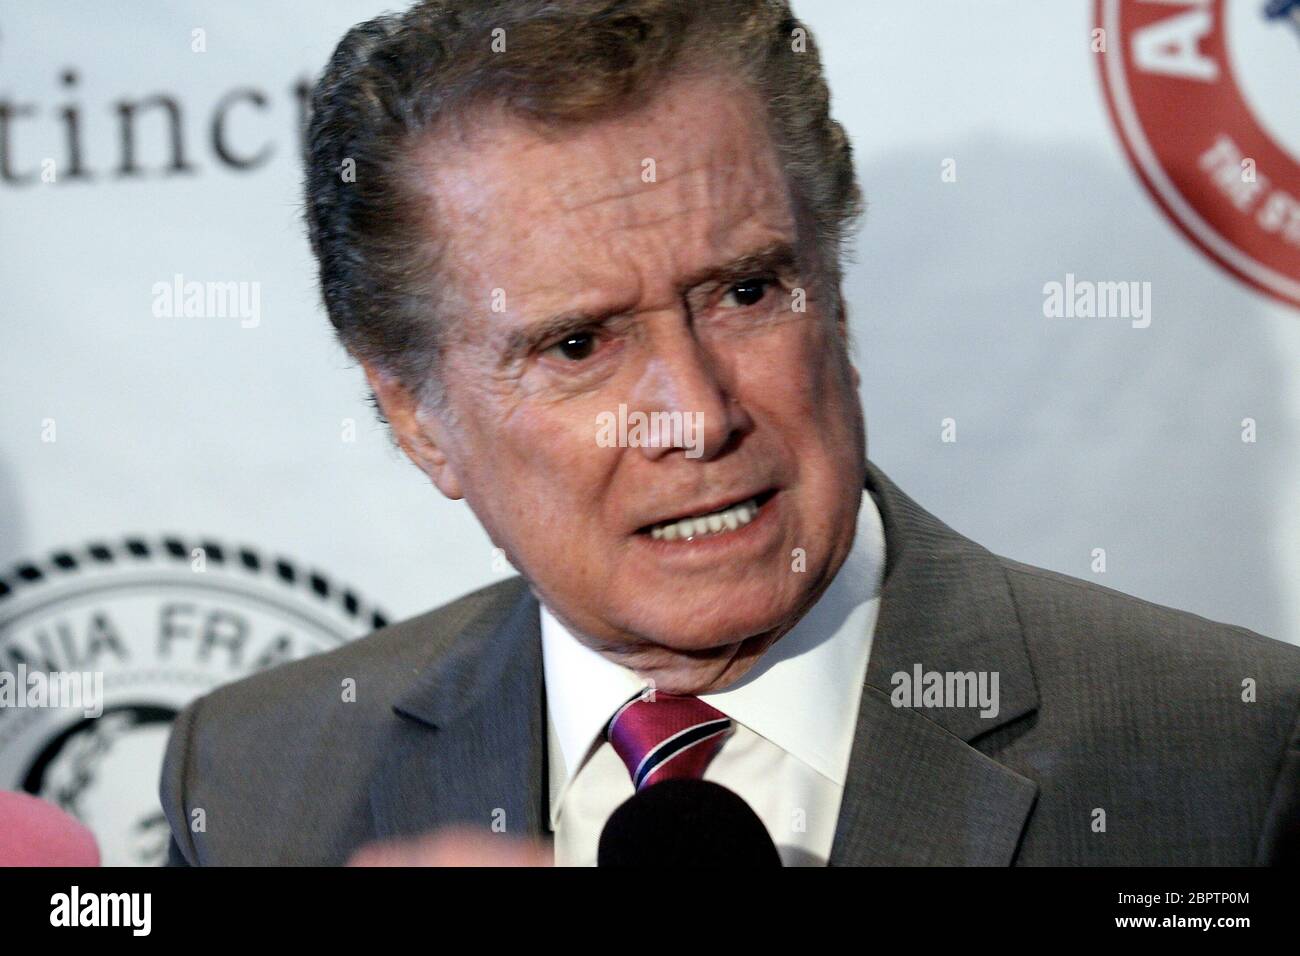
746,293
574,347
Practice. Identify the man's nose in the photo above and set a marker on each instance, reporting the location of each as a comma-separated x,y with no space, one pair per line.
687,381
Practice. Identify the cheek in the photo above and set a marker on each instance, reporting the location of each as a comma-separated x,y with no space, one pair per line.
533,467
802,379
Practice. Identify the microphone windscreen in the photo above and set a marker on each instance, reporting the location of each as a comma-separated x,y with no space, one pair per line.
686,823
36,833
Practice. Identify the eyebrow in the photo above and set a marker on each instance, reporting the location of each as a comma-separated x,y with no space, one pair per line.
773,258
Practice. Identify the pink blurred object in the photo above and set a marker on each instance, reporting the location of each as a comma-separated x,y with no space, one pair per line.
36,833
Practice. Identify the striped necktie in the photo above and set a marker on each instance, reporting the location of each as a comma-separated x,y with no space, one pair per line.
666,737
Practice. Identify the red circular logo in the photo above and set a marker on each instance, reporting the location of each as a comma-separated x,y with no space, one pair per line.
1193,88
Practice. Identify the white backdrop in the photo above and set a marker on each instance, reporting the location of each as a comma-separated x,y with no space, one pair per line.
1071,435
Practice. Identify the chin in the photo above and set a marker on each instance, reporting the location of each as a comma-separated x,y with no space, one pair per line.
712,622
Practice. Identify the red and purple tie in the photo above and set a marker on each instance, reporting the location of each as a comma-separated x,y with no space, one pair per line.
666,737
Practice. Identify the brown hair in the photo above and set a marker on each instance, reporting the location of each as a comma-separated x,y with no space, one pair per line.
399,77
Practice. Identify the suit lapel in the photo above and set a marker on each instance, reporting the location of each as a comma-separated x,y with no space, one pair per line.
471,745
918,791
916,795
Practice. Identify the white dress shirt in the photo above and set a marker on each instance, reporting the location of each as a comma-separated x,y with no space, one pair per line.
794,717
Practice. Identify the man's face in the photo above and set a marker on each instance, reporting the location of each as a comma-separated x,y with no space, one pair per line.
647,261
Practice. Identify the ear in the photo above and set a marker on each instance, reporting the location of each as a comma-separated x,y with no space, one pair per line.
422,434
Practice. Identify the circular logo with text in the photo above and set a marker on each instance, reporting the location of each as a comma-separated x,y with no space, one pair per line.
101,647
1204,97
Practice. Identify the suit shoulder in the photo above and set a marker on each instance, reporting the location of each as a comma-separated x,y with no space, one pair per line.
1183,723
389,654
283,746
1043,596
1096,647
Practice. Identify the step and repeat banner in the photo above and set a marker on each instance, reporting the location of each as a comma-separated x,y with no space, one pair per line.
1075,301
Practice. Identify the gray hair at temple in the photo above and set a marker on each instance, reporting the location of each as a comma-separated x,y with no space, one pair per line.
399,78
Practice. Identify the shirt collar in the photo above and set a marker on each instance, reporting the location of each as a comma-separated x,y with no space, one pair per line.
802,695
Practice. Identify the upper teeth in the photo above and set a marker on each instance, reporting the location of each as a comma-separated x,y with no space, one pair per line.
728,519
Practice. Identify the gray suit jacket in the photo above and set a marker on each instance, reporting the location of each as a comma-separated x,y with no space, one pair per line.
1107,703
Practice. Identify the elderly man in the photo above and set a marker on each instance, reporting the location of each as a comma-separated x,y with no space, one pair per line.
533,219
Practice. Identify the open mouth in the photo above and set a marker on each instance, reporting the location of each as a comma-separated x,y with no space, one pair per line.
689,527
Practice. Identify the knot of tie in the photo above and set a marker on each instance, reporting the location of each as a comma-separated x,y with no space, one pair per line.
666,737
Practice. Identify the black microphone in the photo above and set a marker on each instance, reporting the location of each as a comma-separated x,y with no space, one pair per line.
686,823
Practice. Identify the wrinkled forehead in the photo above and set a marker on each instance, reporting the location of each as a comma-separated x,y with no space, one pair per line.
696,162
